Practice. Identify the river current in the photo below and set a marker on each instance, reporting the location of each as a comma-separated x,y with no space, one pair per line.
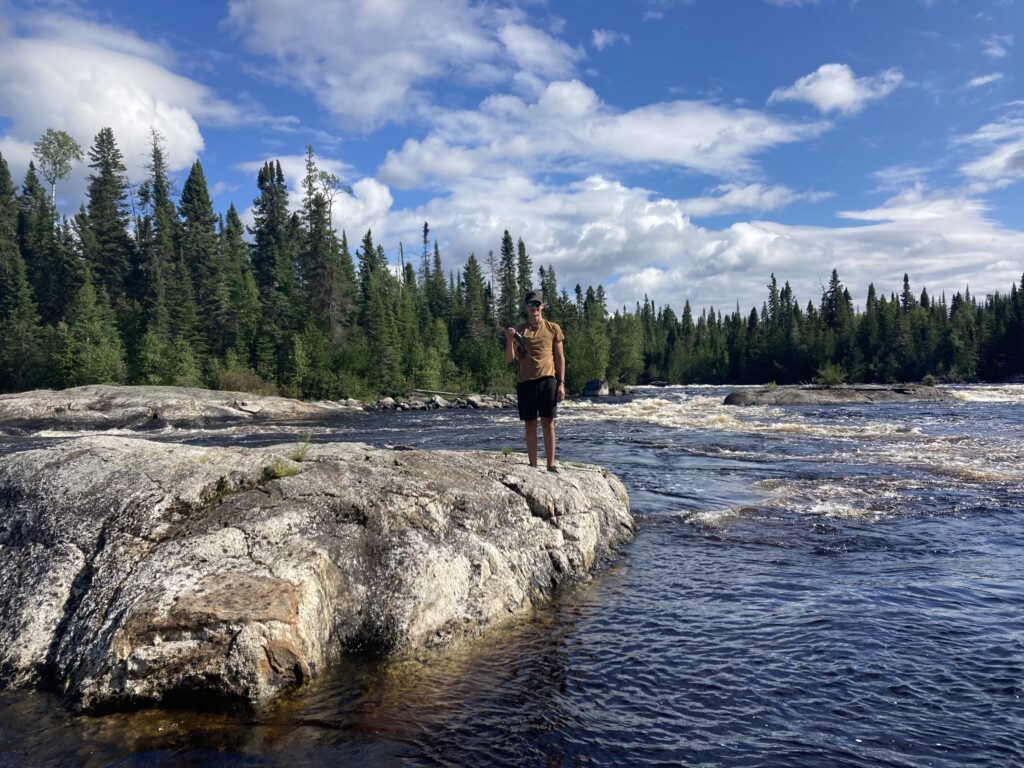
809,586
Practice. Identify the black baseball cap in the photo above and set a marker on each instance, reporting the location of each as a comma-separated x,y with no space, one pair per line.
534,296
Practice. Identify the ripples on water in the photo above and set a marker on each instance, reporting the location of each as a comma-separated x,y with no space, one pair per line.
809,586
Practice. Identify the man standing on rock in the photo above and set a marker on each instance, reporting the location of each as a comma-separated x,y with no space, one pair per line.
540,379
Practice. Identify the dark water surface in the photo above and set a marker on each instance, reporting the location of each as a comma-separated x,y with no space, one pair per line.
837,586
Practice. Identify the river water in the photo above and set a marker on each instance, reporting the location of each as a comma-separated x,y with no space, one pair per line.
809,586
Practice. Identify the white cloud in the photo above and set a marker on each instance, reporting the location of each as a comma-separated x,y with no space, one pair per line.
942,244
997,46
635,242
1003,163
915,205
568,124
606,38
981,80
833,88
79,76
792,3
899,176
370,62
538,53
737,198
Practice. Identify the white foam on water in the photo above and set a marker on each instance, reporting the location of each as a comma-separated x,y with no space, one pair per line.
716,517
702,412
988,393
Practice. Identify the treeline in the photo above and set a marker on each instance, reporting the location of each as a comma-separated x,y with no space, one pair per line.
143,286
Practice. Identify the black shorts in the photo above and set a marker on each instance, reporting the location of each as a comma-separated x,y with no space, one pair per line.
537,397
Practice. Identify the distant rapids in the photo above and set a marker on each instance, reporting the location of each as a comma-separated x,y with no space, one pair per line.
810,586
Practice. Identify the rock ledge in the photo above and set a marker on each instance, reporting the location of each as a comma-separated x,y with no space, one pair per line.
817,395
132,571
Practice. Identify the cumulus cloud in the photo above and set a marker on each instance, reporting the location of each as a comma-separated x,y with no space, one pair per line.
395,51
944,244
833,88
982,80
568,124
537,52
73,74
636,242
606,38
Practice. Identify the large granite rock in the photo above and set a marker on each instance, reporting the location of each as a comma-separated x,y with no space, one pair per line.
133,571
816,395
100,406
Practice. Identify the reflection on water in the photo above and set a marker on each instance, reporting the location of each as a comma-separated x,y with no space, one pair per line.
809,586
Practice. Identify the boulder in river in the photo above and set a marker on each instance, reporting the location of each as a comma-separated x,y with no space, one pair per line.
818,395
595,388
135,571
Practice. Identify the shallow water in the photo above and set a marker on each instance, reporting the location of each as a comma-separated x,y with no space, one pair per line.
809,586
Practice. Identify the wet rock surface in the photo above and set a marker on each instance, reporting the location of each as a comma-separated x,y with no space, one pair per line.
812,395
101,406
133,571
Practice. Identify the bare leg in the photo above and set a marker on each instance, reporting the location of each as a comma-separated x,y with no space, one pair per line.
531,441
548,427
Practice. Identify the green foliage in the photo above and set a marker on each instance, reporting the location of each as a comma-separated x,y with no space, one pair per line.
280,469
302,449
830,375
89,348
56,152
929,380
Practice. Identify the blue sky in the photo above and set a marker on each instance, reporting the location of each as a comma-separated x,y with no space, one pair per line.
678,149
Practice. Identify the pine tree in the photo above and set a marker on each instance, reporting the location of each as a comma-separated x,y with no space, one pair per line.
37,240
274,255
21,361
89,346
509,298
202,258
524,269
242,324
329,292
111,250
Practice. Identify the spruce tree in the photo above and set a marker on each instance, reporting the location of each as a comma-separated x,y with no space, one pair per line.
89,346
509,298
524,269
21,359
110,250
201,255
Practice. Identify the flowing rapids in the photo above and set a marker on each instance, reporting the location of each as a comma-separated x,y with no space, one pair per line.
809,586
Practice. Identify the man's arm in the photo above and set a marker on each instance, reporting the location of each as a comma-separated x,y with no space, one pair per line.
510,344
559,354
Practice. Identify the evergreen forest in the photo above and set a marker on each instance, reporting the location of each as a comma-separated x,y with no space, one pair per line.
147,286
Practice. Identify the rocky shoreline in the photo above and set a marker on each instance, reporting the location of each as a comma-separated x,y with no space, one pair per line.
821,395
135,572
142,408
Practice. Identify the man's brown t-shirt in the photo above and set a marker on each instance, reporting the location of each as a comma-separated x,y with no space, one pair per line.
538,359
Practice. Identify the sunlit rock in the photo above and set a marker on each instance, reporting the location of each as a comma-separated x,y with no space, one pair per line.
132,571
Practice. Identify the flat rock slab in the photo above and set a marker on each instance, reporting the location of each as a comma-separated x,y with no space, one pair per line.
133,571
101,406
833,395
